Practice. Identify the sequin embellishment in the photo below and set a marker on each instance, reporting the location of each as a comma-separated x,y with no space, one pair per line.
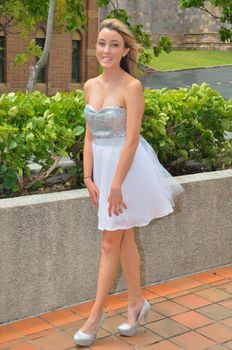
108,125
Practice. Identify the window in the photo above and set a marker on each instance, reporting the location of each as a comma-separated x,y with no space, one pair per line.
42,73
2,47
76,61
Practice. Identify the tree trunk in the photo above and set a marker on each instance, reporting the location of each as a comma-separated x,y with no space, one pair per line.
34,69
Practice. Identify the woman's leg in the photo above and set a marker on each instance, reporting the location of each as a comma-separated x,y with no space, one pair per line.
130,260
111,242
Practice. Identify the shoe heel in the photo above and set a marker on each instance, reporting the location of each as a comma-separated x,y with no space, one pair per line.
146,318
146,313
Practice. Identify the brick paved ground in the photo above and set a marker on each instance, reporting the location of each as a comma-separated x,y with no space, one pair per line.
192,313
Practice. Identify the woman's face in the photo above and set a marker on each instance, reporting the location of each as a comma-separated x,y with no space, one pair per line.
110,48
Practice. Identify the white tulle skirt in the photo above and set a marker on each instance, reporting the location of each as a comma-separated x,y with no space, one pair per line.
148,189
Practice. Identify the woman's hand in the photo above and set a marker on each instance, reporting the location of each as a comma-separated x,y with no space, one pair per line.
93,191
115,201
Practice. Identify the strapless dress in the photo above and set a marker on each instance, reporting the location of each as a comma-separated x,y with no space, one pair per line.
148,188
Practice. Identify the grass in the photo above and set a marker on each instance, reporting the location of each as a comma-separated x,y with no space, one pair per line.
180,59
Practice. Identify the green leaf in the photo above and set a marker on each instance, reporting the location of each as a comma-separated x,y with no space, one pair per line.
13,111
184,153
12,145
79,130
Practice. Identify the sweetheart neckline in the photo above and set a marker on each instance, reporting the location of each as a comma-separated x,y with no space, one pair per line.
105,107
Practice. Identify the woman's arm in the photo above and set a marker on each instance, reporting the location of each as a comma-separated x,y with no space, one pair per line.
87,155
135,109
87,150
88,158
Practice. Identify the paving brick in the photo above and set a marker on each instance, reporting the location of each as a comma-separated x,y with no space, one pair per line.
167,327
60,317
54,342
31,325
148,294
215,312
217,332
192,301
10,343
83,309
8,333
227,287
163,345
114,302
213,294
192,319
24,346
201,287
141,338
221,282
111,343
192,341
229,344
157,300
227,303
185,283
178,294
223,271
111,323
163,289
206,277
41,334
227,322
217,347
169,308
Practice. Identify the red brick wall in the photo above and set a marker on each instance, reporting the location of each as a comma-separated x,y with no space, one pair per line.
59,65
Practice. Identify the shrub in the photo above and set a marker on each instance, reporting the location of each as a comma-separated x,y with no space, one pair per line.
181,125
36,128
188,124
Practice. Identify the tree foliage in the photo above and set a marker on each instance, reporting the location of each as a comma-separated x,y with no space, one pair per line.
225,17
69,14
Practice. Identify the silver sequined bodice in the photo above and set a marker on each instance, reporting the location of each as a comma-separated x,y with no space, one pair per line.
108,125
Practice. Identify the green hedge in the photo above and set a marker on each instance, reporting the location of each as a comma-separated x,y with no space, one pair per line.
184,124
36,128
180,124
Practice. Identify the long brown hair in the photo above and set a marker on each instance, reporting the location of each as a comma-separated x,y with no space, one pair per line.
129,62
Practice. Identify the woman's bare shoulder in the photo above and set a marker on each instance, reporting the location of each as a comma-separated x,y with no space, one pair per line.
89,83
88,87
132,82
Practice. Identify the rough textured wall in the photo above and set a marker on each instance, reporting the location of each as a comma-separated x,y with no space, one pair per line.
159,16
190,28
172,18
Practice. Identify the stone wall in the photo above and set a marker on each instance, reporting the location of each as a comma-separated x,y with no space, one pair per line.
50,245
188,28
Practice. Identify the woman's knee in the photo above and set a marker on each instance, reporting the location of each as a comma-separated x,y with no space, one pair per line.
128,239
112,240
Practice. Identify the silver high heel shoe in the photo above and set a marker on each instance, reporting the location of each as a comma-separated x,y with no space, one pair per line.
84,339
126,329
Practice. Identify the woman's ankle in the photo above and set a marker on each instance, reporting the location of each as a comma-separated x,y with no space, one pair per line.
135,302
96,312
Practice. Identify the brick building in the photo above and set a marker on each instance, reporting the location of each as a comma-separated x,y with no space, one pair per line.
71,61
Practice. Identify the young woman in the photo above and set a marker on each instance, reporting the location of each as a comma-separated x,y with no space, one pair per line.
129,186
